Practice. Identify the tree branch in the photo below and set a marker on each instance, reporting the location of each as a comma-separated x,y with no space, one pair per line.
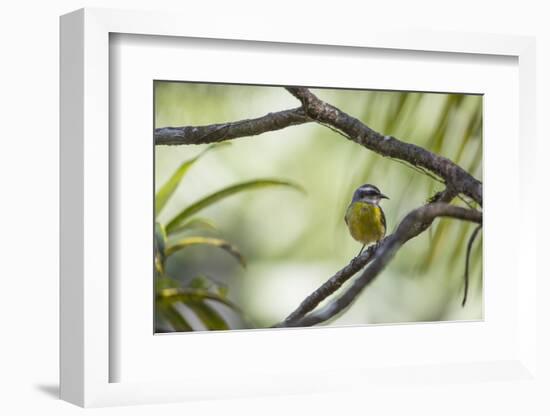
355,130
336,281
226,131
313,109
412,225
329,287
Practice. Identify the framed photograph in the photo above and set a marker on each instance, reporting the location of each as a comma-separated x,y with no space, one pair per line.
281,213
316,215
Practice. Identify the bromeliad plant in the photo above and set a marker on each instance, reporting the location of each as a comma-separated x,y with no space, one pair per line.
201,295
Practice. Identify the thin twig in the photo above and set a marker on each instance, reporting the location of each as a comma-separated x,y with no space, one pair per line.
403,162
418,169
467,267
463,199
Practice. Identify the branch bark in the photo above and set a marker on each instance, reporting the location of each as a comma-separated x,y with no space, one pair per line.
314,109
226,131
453,175
329,287
412,225
343,275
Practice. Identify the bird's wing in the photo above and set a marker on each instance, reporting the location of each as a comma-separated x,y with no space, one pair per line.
346,216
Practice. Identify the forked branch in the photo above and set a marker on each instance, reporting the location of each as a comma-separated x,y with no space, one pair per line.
412,225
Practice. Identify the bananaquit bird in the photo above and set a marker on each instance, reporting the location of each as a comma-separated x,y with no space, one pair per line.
364,217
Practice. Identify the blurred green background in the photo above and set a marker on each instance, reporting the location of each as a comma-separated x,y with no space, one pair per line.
292,241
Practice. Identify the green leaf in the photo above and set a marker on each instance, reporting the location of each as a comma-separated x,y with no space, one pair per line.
222,290
203,282
200,282
166,282
194,224
167,190
160,248
436,242
186,296
169,312
208,315
224,193
214,242
473,127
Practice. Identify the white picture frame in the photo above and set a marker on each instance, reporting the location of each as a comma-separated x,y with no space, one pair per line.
87,356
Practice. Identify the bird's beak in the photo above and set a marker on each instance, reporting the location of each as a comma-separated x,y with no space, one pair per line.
382,196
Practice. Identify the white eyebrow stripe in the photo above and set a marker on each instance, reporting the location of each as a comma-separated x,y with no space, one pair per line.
369,188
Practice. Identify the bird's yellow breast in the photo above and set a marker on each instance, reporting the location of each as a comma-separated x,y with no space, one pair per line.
365,222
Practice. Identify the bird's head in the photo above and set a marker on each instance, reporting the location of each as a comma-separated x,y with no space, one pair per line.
368,193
